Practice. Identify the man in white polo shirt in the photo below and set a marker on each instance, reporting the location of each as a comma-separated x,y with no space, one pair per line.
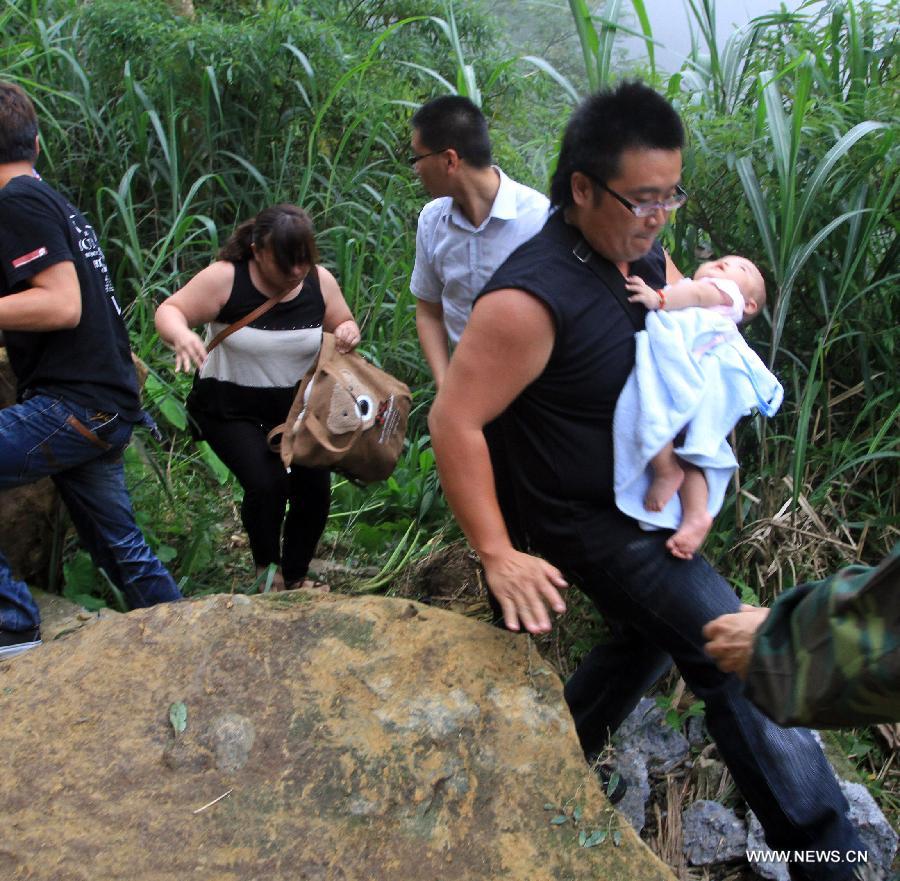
477,219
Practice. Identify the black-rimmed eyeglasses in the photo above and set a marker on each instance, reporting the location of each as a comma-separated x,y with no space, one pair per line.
645,209
414,159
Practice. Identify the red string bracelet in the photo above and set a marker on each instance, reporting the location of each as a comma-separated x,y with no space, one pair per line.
662,298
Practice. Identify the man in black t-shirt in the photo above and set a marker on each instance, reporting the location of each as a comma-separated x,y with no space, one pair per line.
77,392
547,349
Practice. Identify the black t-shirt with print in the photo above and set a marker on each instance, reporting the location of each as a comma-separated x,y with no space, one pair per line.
89,364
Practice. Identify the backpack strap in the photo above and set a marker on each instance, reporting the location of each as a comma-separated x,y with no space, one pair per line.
612,279
326,352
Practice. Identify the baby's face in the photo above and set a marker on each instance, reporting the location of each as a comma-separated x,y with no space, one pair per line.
737,269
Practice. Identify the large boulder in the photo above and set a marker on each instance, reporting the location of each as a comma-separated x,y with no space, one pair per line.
28,513
304,737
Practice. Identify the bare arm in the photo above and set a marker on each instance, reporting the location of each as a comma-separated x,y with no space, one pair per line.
506,345
52,302
338,317
680,295
198,302
433,338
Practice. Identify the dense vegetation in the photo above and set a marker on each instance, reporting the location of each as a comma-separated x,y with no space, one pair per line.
168,125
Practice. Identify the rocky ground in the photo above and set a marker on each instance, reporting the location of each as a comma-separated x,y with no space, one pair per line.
681,798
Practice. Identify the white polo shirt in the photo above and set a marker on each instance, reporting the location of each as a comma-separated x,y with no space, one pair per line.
454,259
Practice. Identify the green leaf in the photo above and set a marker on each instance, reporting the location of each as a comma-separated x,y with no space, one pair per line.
749,595
778,129
82,581
559,819
812,194
91,603
587,36
555,75
697,708
79,575
582,838
617,838
214,463
372,538
576,814
758,206
640,11
173,411
598,836
166,553
614,779
549,806
268,577
178,717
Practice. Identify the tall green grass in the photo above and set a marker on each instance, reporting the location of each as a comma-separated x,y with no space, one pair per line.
168,131
795,159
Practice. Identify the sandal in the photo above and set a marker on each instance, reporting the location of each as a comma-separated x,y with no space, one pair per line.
310,584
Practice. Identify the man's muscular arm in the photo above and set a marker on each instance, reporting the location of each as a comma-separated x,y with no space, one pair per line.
505,346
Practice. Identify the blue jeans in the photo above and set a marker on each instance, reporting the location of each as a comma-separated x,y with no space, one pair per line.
80,450
657,606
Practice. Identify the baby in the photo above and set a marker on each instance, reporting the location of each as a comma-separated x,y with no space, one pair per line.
694,377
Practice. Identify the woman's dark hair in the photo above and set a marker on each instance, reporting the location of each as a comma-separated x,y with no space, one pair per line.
631,116
284,229
18,125
454,121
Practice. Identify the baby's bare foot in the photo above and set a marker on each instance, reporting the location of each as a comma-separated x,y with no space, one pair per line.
665,484
690,535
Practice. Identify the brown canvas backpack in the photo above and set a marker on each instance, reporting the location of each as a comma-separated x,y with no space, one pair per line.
347,415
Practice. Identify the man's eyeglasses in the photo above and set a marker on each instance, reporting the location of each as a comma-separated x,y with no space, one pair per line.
414,159
645,209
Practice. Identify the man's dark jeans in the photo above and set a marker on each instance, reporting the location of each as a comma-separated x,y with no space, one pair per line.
657,606
81,450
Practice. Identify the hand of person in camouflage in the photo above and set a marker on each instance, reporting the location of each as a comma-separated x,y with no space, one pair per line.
730,638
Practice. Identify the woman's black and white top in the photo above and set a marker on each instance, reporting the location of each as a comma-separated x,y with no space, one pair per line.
253,373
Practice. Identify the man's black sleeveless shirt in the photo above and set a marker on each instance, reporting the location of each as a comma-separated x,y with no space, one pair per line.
556,437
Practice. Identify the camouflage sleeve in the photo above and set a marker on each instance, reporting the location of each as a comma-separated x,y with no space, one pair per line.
828,655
